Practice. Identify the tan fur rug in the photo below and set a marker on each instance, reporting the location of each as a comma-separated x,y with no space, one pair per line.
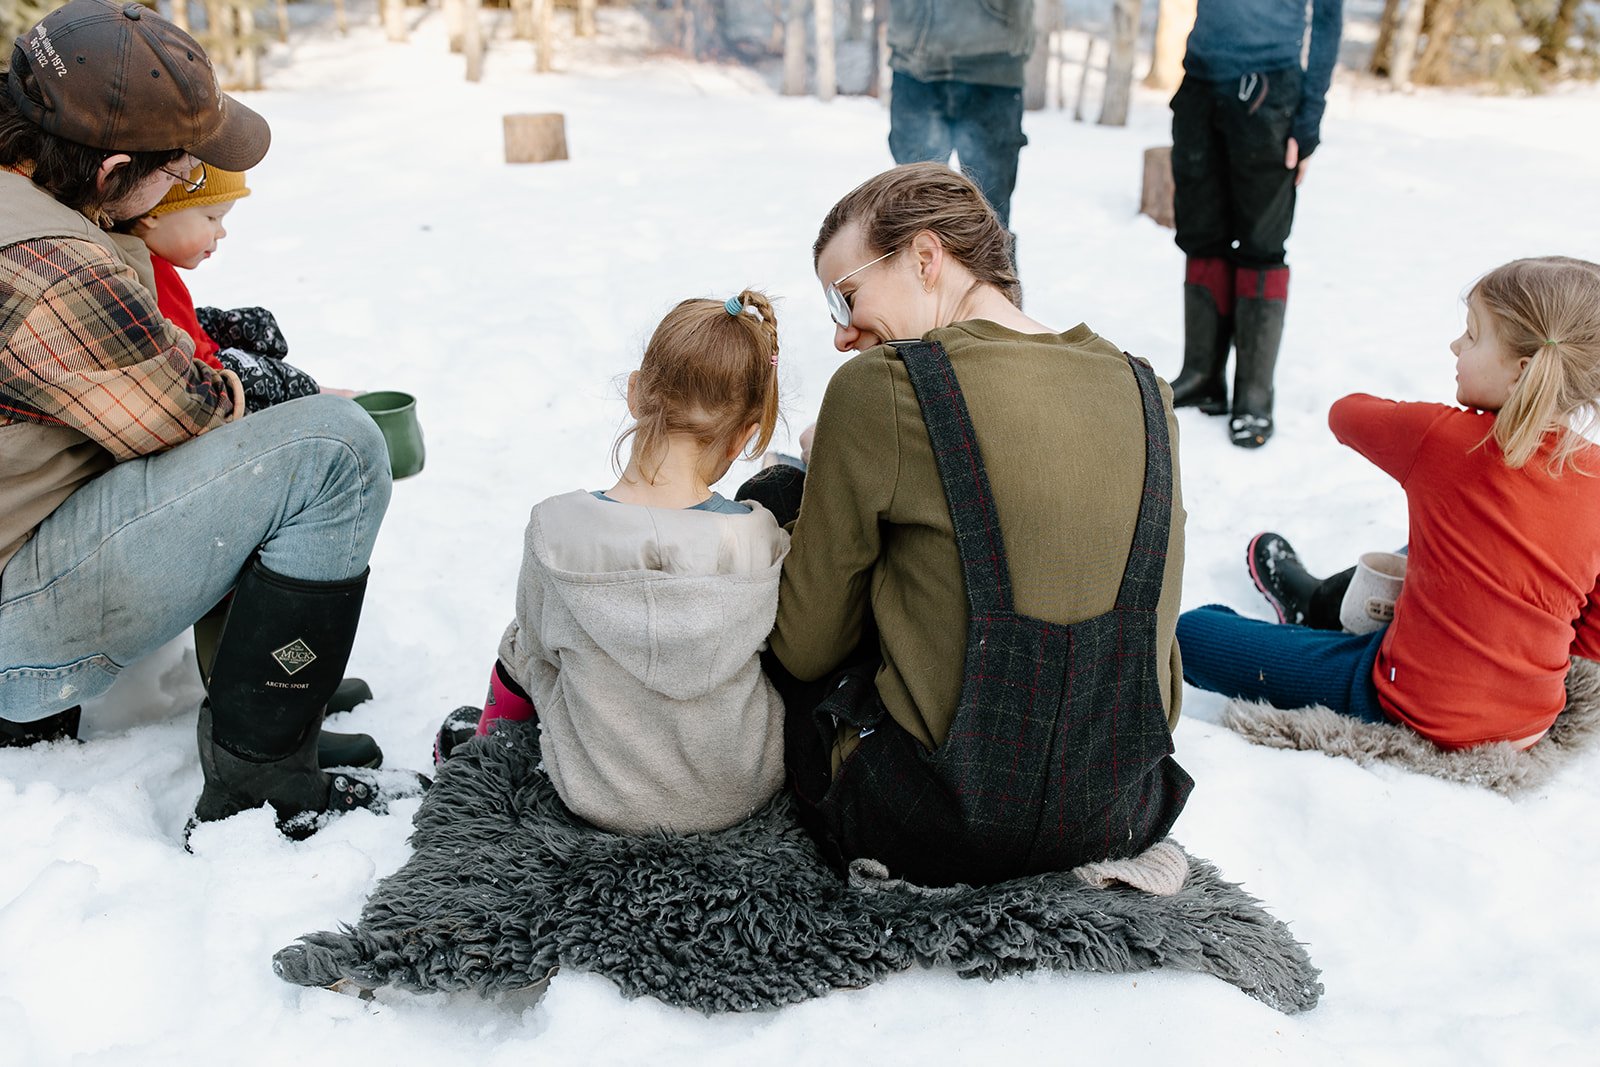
1498,766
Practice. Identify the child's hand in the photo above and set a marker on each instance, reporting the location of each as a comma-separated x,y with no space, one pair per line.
806,436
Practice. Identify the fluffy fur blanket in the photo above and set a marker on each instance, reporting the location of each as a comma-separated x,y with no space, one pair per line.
505,885
1498,766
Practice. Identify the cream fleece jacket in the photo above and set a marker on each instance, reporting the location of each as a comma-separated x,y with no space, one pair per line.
636,635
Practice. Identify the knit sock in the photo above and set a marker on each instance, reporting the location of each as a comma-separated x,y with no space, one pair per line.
507,701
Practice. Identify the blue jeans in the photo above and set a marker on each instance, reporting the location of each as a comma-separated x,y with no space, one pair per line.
980,123
131,559
1285,665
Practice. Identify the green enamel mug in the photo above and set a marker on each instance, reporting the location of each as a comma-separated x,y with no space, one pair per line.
396,415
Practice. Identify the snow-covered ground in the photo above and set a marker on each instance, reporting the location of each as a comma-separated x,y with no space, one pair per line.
399,251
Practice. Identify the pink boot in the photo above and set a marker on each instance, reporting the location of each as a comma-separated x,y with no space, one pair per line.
506,701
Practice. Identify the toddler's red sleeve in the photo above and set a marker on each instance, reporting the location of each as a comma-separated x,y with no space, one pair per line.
1586,631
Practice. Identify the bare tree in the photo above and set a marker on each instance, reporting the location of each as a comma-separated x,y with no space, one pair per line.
1119,67
794,48
1174,20
1408,30
822,25
1036,73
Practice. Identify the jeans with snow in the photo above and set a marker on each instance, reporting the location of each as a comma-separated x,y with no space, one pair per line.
131,559
981,123
1285,665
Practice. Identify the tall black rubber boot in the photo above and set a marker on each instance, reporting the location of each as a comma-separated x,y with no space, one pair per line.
281,656
1207,336
1259,304
333,749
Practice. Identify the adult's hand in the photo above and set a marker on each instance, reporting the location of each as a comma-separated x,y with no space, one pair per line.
1292,161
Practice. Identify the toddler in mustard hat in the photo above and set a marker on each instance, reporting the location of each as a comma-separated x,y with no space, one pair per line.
182,231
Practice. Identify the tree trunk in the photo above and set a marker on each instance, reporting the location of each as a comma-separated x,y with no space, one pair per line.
248,69
1382,50
1406,34
1557,32
472,37
544,36
1174,20
1440,26
858,21
283,21
822,26
522,19
394,19
583,19
878,83
455,24
339,20
1036,73
1119,65
794,49
180,15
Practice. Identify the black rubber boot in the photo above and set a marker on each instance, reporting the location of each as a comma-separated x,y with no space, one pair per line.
281,656
333,749
1277,572
1207,336
61,726
1258,312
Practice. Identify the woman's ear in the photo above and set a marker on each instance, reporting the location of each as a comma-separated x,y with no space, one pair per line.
928,252
107,166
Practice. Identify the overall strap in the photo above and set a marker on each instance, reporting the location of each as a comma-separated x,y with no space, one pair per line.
961,472
1147,559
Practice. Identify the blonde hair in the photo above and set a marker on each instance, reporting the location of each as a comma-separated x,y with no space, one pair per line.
1546,310
707,373
900,203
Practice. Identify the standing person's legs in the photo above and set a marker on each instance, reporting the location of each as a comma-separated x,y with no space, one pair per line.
918,129
1262,190
135,556
986,129
1202,210
1287,666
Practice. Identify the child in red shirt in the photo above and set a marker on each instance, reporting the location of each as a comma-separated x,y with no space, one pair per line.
1503,581
183,231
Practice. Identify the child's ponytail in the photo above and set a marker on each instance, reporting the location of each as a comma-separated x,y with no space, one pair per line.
709,371
1546,310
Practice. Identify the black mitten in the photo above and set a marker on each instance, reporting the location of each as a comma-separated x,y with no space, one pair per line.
253,330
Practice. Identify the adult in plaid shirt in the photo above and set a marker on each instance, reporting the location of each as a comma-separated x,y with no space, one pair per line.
133,496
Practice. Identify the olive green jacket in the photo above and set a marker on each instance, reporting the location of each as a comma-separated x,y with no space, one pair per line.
1059,422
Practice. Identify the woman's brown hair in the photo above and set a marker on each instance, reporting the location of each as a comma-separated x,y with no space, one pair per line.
898,204
709,373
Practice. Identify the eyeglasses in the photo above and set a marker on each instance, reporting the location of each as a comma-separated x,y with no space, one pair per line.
838,304
192,185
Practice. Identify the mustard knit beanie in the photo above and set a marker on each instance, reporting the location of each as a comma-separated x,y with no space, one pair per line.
220,187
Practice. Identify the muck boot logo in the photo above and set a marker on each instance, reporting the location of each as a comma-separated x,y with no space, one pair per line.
294,657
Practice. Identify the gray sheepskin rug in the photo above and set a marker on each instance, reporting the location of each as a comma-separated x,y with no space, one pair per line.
505,885
1498,766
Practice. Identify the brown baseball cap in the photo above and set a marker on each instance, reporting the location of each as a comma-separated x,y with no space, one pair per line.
119,77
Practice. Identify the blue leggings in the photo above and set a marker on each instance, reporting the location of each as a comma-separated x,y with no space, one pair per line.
1285,665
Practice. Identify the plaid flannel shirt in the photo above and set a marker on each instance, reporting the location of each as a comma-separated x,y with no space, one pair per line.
86,347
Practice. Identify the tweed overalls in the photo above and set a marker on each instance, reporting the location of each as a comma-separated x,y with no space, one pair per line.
1059,752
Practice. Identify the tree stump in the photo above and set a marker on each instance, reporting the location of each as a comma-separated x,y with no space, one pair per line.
536,138
1156,198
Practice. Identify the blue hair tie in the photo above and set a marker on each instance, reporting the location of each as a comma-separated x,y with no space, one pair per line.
732,306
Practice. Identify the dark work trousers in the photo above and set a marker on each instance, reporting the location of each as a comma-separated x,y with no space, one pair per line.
1234,198
981,123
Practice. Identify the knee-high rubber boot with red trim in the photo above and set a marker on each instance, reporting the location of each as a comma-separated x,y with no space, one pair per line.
1207,335
1261,297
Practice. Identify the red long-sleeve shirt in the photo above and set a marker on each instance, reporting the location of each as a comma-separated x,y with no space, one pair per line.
1503,583
172,297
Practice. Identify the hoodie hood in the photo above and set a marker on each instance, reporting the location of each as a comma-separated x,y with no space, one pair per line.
679,599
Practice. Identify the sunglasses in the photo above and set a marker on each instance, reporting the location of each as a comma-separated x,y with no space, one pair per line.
838,303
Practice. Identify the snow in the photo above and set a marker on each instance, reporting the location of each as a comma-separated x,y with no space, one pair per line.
400,252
